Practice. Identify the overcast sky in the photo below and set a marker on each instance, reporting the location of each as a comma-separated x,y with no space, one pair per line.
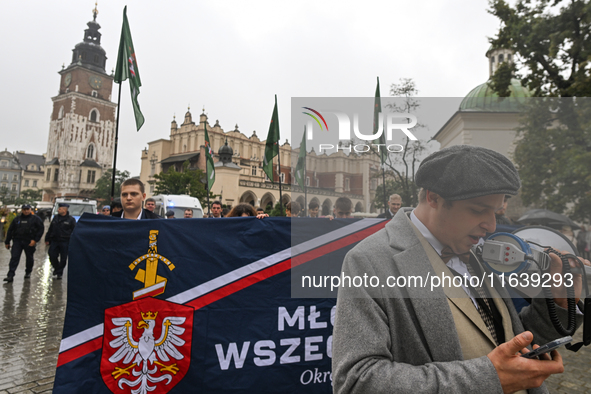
233,56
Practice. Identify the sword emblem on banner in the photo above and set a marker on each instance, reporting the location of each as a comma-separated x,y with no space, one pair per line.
153,283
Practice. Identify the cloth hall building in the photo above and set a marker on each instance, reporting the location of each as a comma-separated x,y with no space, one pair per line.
239,174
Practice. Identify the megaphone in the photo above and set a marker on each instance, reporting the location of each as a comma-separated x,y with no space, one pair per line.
520,258
521,255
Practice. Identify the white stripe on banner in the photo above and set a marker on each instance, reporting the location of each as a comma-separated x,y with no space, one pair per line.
81,337
242,272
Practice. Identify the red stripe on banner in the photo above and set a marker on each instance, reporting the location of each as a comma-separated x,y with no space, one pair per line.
240,284
79,351
338,244
218,294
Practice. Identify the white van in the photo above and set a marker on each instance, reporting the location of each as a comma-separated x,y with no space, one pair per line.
77,206
177,204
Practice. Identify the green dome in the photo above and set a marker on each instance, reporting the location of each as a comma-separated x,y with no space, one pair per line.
483,98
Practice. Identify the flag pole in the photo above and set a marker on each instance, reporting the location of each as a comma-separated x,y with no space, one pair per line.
279,164
383,155
116,143
384,183
305,185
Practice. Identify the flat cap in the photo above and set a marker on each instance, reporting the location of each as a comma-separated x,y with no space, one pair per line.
26,206
63,204
462,172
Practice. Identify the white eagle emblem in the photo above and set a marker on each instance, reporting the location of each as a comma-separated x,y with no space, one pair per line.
146,352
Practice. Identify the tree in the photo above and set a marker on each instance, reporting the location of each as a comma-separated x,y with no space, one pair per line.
102,189
278,210
553,156
402,166
552,45
189,181
29,196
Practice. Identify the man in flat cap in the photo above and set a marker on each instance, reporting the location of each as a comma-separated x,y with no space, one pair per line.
25,231
58,238
401,337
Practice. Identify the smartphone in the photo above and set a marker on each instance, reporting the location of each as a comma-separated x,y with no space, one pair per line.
548,347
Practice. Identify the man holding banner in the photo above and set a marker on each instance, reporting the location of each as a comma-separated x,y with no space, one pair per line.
132,197
441,339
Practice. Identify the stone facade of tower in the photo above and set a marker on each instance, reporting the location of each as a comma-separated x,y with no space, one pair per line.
82,126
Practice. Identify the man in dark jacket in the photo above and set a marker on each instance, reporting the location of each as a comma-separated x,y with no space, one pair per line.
58,238
132,199
394,204
24,232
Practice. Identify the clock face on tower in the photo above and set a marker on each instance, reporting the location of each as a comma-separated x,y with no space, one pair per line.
95,82
67,79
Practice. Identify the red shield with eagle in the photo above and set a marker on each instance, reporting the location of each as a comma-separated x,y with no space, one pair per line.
146,346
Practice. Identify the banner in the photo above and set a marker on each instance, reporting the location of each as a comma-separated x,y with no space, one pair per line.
199,305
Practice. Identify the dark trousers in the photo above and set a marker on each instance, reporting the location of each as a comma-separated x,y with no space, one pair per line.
15,252
58,256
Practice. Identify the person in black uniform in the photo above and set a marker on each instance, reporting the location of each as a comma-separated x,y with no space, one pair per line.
24,232
58,238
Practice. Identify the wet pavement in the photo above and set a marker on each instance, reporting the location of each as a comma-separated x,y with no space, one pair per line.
31,323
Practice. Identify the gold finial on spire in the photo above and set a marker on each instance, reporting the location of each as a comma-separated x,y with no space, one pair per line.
95,11
189,107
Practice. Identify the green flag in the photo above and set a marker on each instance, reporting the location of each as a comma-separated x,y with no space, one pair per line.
127,68
209,160
272,145
383,153
300,171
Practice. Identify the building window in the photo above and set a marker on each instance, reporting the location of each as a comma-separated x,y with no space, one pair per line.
374,184
501,58
509,57
14,187
153,169
90,152
317,182
90,176
26,182
94,94
282,177
4,186
4,177
254,170
94,114
96,58
56,174
347,185
61,112
151,189
4,163
48,174
34,183
15,177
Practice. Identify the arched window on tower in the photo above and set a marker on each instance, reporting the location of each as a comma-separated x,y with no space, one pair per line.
501,59
94,115
60,115
90,152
